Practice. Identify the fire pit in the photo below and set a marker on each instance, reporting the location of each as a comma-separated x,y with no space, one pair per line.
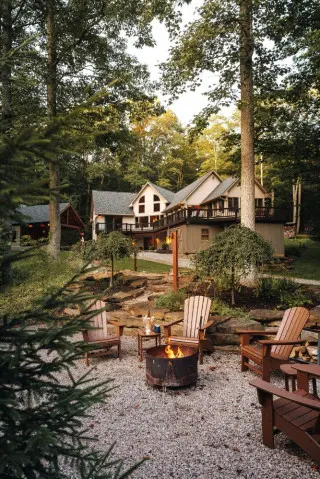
172,366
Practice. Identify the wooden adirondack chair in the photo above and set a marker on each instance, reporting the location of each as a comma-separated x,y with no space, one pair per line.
297,413
273,352
100,336
196,314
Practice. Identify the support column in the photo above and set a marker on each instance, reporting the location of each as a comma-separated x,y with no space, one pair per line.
175,260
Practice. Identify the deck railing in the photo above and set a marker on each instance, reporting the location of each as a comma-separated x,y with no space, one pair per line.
124,227
194,215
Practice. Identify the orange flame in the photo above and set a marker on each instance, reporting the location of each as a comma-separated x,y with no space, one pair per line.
171,354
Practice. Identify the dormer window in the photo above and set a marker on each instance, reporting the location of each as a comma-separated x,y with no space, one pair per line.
142,204
156,203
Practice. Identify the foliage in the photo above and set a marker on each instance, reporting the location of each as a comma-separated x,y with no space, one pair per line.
174,300
33,278
287,292
43,408
113,245
232,256
221,308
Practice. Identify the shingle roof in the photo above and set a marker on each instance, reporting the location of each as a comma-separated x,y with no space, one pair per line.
181,195
167,194
113,202
220,189
38,213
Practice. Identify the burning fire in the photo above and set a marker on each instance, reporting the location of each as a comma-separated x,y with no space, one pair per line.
171,354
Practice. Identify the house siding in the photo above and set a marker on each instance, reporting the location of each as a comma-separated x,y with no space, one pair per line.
202,191
190,237
148,193
274,233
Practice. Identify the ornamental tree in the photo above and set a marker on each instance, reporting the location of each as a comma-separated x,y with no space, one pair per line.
113,246
232,255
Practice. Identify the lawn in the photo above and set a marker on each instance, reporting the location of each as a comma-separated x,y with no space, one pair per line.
142,265
306,255
36,276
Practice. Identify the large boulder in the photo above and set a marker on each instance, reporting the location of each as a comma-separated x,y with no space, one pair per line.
139,308
266,315
121,296
224,329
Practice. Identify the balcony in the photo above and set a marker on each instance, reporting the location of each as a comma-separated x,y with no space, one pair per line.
124,227
195,216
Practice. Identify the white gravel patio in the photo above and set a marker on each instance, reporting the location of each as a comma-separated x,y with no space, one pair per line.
212,430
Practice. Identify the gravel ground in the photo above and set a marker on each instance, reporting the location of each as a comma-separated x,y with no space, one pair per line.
212,430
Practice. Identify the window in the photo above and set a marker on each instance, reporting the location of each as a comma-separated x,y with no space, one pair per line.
204,234
259,202
142,204
233,203
156,203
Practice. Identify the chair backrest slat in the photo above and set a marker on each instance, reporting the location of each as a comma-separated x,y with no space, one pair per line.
290,328
196,313
98,321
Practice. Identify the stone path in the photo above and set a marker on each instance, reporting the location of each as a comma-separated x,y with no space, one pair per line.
187,263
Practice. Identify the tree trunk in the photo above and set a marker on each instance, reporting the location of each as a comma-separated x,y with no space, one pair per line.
6,77
233,302
6,115
54,173
247,127
298,206
112,269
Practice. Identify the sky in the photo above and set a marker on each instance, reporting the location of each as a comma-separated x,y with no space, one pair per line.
189,103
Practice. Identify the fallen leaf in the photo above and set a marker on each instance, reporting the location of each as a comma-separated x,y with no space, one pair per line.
212,368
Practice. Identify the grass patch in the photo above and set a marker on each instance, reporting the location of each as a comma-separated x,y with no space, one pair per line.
37,276
33,278
142,265
307,264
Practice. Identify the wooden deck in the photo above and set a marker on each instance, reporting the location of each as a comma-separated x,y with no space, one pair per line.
195,216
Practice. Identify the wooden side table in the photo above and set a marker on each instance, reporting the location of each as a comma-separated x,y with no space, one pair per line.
291,373
142,335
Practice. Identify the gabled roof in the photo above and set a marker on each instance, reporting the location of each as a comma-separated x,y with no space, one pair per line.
220,190
183,194
167,195
38,213
113,202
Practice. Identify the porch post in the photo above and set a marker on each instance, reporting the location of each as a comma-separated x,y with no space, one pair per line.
175,260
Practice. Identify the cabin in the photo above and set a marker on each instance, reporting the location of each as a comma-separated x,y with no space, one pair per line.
35,223
197,212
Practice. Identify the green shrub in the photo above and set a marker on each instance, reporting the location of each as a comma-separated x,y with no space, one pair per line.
173,300
285,292
221,308
26,240
232,256
164,246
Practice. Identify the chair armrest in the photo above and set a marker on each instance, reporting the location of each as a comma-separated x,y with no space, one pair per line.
280,342
257,332
206,325
119,326
311,369
167,327
282,393
172,323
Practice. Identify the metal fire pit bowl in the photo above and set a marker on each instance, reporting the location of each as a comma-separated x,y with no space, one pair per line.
171,372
